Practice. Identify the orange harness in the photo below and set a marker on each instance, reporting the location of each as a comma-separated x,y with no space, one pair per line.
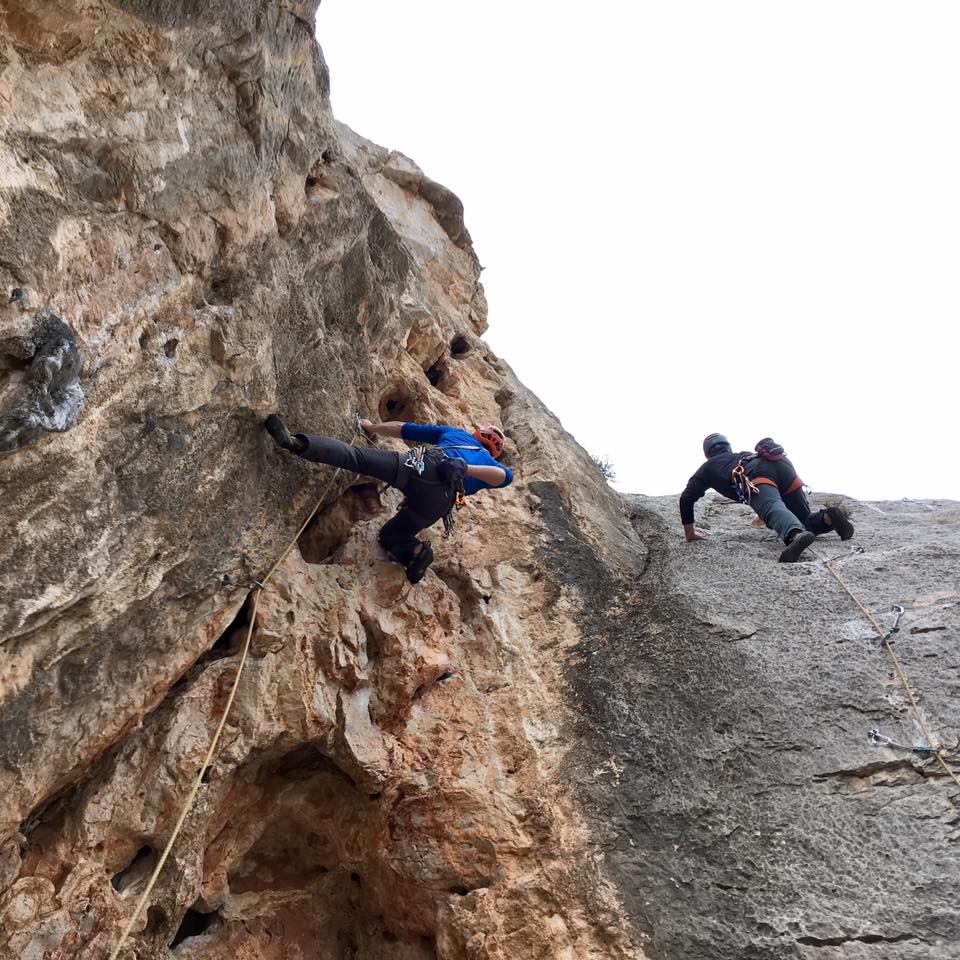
747,486
793,488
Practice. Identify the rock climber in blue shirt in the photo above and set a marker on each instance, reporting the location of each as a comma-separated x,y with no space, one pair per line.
460,459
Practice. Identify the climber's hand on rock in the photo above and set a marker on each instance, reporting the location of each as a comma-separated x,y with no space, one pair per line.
367,427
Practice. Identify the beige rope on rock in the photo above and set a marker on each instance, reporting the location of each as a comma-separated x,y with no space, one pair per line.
901,673
223,719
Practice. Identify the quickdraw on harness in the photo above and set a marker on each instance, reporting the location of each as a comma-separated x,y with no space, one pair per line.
744,486
459,497
416,460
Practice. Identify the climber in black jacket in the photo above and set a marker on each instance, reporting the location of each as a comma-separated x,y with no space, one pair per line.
765,479
460,460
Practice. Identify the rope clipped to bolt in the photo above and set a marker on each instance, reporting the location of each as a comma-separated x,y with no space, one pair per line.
208,759
886,640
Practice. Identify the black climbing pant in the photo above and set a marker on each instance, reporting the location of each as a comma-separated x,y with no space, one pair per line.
779,510
427,497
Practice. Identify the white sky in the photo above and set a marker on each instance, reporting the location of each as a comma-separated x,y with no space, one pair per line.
696,216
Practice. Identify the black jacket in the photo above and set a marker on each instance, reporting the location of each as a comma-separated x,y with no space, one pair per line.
715,473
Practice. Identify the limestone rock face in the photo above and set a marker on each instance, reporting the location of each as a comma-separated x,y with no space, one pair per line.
576,738
189,241
743,809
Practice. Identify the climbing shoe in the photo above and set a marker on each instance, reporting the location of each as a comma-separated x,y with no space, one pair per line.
797,545
840,522
277,429
416,569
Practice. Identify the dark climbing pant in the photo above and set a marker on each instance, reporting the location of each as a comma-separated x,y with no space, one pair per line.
427,498
779,510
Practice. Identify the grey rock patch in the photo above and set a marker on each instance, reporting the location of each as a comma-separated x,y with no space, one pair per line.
750,816
42,381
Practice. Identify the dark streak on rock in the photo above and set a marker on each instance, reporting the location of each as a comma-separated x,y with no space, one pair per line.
51,397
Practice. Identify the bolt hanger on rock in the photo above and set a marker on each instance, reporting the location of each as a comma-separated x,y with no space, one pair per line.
881,740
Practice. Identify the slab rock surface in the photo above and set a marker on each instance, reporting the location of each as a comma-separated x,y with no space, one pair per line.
576,738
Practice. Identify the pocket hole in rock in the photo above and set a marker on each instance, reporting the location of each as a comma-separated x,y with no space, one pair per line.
156,919
319,188
193,924
459,346
170,347
139,868
397,404
332,526
436,374
232,637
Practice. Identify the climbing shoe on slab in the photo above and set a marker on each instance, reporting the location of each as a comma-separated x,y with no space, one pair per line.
840,522
416,569
797,545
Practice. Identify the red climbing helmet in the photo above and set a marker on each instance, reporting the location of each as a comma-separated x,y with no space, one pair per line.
492,438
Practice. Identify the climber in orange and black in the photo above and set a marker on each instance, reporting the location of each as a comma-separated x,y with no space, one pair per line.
765,479
459,461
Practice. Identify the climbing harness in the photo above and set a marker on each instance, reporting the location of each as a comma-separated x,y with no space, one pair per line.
746,486
881,740
417,460
208,759
901,674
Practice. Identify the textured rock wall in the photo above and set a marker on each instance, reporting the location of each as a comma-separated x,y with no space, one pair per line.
725,706
578,737
188,241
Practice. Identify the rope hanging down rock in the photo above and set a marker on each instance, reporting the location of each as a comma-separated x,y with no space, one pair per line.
885,639
260,584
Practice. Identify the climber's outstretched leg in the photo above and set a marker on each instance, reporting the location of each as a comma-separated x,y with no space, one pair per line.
380,464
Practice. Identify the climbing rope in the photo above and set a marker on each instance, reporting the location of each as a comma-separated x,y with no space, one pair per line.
885,639
260,585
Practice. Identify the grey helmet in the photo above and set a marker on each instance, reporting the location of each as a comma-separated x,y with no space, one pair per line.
714,440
